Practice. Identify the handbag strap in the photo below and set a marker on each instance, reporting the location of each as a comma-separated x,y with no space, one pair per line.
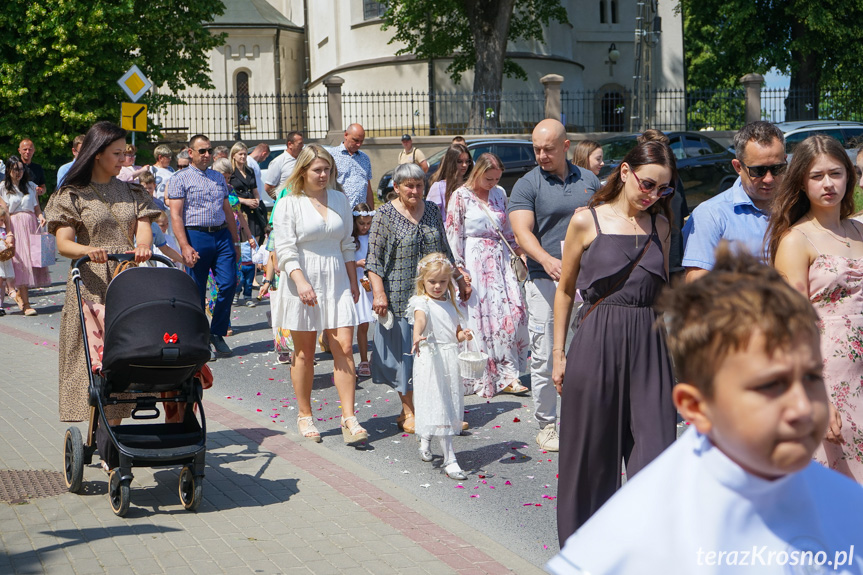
623,278
494,223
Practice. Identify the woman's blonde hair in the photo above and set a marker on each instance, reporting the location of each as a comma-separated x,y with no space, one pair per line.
236,149
131,149
484,163
433,264
297,180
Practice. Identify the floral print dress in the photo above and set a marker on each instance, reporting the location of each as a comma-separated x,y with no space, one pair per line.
836,292
495,310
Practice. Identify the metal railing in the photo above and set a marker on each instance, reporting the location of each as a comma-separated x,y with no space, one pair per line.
271,117
261,117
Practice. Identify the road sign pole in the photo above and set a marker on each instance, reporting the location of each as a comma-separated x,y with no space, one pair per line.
133,138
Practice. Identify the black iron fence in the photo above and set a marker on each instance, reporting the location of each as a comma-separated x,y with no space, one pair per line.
266,117
271,117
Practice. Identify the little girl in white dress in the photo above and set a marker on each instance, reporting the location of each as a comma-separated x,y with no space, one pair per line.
438,397
362,224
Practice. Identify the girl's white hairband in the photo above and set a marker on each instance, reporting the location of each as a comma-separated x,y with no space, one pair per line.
363,214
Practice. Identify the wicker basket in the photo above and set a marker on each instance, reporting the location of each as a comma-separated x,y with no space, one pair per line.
472,364
8,253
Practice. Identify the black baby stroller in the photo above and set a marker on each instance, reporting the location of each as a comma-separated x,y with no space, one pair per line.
156,338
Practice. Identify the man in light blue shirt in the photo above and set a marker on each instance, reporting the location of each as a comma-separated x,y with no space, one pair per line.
738,215
354,167
76,145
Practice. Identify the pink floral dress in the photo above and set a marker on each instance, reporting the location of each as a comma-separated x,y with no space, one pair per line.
836,292
495,310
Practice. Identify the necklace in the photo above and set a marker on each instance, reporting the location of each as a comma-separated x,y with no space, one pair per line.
633,221
836,237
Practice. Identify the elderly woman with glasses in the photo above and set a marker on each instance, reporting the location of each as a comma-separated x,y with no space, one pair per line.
22,202
616,379
403,232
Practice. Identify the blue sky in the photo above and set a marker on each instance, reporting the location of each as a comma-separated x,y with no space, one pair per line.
774,79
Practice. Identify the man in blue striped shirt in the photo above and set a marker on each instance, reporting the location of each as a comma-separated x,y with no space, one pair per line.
206,232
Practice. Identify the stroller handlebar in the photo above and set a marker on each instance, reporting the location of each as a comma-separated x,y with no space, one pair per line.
125,258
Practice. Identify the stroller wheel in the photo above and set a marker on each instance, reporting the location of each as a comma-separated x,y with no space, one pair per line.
73,459
118,493
191,489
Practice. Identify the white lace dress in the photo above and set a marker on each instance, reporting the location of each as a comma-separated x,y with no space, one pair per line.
438,396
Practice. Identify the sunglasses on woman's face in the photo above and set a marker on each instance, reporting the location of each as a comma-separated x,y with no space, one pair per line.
650,187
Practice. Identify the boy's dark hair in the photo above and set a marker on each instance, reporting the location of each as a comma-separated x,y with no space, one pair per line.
718,314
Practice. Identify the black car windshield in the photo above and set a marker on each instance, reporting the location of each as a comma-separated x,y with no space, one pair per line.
616,150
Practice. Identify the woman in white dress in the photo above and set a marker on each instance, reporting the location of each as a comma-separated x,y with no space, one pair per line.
312,231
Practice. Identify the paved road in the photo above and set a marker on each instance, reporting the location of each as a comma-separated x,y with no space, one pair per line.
506,507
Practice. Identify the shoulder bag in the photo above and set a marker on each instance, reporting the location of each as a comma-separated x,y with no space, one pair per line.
519,268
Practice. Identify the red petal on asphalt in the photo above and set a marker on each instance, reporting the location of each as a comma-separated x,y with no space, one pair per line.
538,505
459,486
516,420
481,476
474,495
508,483
512,458
259,410
368,401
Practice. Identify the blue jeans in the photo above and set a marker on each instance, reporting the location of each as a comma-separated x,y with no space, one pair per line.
247,277
216,253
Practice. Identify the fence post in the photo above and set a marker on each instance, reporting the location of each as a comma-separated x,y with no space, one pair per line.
552,83
334,106
752,84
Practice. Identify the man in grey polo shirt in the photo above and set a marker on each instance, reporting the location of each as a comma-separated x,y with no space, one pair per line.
540,207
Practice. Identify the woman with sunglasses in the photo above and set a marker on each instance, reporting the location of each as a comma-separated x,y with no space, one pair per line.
615,382
812,241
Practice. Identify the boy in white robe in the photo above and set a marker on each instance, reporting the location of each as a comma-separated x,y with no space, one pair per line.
739,493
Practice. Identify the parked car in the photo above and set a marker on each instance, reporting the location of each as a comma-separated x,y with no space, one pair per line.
275,151
849,134
517,157
703,164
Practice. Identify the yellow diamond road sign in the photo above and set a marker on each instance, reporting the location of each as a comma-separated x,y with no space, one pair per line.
133,117
134,83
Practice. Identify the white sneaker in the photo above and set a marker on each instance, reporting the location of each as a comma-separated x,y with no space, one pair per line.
548,439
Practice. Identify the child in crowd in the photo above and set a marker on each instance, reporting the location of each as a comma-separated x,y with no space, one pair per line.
148,182
162,222
7,240
739,492
438,396
247,275
362,224
283,343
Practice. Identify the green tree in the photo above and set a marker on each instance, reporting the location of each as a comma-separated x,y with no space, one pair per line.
816,43
60,61
474,33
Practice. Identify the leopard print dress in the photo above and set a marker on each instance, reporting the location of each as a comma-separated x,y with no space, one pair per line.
96,223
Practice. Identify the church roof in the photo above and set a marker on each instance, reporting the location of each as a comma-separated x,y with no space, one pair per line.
251,14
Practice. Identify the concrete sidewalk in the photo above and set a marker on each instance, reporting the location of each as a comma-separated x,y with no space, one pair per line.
270,504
